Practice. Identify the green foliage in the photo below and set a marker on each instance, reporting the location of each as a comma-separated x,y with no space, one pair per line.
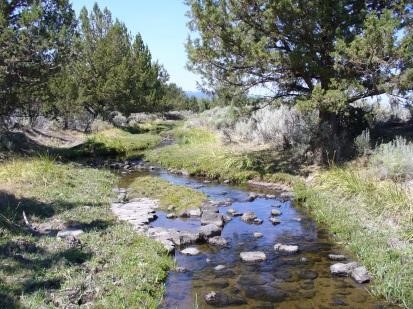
312,46
362,143
176,99
324,55
199,153
49,66
170,196
394,160
373,219
111,71
113,266
35,38
114,142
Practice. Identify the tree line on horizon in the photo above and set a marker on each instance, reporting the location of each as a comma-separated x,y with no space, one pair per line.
55,64
314,55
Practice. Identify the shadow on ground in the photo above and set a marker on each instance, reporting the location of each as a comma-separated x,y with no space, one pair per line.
89,152
155,128
388,131
33,260
270,161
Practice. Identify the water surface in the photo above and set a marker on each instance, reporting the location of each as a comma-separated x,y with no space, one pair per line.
301,280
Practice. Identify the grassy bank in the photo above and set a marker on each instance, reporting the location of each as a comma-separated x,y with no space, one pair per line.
170,196
200,152
371,217
115,142
110,267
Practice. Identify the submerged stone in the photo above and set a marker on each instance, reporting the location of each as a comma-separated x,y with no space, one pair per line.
336,257
343,269
286,248
265,293
275,221
220,299
253,256
308,274
275,212
190,251
219,283
251,279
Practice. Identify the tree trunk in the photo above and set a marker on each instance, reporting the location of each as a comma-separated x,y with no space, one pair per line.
333,143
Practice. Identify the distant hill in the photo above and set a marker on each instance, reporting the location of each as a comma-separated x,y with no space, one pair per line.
197,94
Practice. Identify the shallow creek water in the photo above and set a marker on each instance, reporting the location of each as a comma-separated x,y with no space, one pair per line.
301,280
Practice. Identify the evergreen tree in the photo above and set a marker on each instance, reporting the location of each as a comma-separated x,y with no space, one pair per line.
112,71
34,43
324,54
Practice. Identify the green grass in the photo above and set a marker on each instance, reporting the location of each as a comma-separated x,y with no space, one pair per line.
155,127
200,152
170,196
364,212
281,177
112,267
366,215
114,142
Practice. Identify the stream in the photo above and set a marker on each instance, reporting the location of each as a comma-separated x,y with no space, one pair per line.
300,280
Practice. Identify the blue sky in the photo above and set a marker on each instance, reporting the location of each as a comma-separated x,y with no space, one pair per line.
162,24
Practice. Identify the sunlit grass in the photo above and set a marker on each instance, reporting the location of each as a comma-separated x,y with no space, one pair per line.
170,196
367,215
393,160
199,152
113,265
114,142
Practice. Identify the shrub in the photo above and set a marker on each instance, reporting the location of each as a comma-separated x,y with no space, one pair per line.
178,115
217,118
394,160
137,118
281,127
362,143
99,125
117,119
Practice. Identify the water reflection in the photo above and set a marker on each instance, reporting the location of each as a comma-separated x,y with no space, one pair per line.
301,280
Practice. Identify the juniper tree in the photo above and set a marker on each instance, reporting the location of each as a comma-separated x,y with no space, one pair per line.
34,40
112,71
321,54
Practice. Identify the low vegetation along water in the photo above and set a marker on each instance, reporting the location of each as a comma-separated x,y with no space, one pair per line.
298,280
